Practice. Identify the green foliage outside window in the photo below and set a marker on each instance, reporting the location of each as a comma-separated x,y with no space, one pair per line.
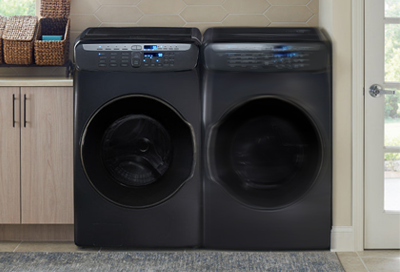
17,7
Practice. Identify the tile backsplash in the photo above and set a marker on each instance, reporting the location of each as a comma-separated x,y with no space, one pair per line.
180,13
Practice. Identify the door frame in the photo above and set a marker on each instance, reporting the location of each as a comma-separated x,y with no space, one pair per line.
358,126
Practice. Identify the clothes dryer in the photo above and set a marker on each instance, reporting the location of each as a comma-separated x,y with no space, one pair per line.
267,139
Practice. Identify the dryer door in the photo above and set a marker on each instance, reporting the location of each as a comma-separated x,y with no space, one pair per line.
137,151
266,152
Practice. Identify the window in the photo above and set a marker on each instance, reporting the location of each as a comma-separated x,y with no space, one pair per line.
17,7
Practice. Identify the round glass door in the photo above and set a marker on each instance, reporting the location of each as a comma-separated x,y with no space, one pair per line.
266,153
137,151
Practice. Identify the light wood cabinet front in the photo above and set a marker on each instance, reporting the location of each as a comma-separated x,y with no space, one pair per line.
10,156
46,155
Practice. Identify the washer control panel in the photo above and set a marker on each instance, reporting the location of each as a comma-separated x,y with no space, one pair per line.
136,57
266,57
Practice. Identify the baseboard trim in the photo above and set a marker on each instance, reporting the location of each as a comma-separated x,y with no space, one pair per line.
342,239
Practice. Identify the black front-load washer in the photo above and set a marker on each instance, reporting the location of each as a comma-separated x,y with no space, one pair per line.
137,137
267,138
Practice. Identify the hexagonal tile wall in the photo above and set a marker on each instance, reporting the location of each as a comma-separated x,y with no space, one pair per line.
193,13
161,7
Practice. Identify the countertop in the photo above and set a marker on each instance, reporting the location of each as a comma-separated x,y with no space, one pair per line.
35,82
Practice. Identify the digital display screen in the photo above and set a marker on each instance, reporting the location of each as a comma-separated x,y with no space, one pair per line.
286,55
282,47
150,47
152,55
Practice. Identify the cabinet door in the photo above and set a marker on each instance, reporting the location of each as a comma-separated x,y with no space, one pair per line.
46,155
10,206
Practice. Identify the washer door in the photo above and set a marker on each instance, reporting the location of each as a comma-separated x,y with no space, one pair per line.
137,151
266,153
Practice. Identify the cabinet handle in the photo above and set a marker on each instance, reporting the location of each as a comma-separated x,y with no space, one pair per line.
13,110
24,110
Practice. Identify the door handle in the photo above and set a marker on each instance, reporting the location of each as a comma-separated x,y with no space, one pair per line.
24,110
13,103
376,90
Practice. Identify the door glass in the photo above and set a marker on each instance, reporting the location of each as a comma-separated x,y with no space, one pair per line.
392,119
392,8
392,52
392,108
392,182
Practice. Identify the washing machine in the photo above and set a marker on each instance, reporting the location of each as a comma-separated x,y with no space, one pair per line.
137,138
267,139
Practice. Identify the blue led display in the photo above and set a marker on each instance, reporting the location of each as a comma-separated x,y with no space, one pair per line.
151,55
285,54
150,47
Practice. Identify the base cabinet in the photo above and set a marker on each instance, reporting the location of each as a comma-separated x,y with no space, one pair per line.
36,181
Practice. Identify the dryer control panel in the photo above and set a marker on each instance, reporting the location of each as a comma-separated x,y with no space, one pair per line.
266,57
136,57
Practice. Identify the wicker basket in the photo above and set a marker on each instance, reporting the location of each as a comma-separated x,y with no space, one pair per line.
55,22
3,21
55,8
18,39
52,52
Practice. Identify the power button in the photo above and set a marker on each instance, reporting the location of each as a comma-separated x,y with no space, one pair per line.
136,59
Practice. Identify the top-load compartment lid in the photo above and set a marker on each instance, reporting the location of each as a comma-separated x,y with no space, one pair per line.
142,34
262,34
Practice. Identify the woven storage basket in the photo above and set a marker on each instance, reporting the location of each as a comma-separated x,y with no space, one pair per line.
55,8
18,38
55,22
52,52
3,21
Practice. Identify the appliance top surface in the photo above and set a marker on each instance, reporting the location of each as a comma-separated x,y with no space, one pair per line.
263,34
136,34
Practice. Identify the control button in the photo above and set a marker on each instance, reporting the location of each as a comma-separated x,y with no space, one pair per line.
138,47
159,64
133,47
125,61
102,61
102,65
99,48
165,64
114,54
108,48
113,61
113,65
124,48
124,65
102,54
125,57
113,57
136,59
153,65
125,54
146,65
103,57
116,48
